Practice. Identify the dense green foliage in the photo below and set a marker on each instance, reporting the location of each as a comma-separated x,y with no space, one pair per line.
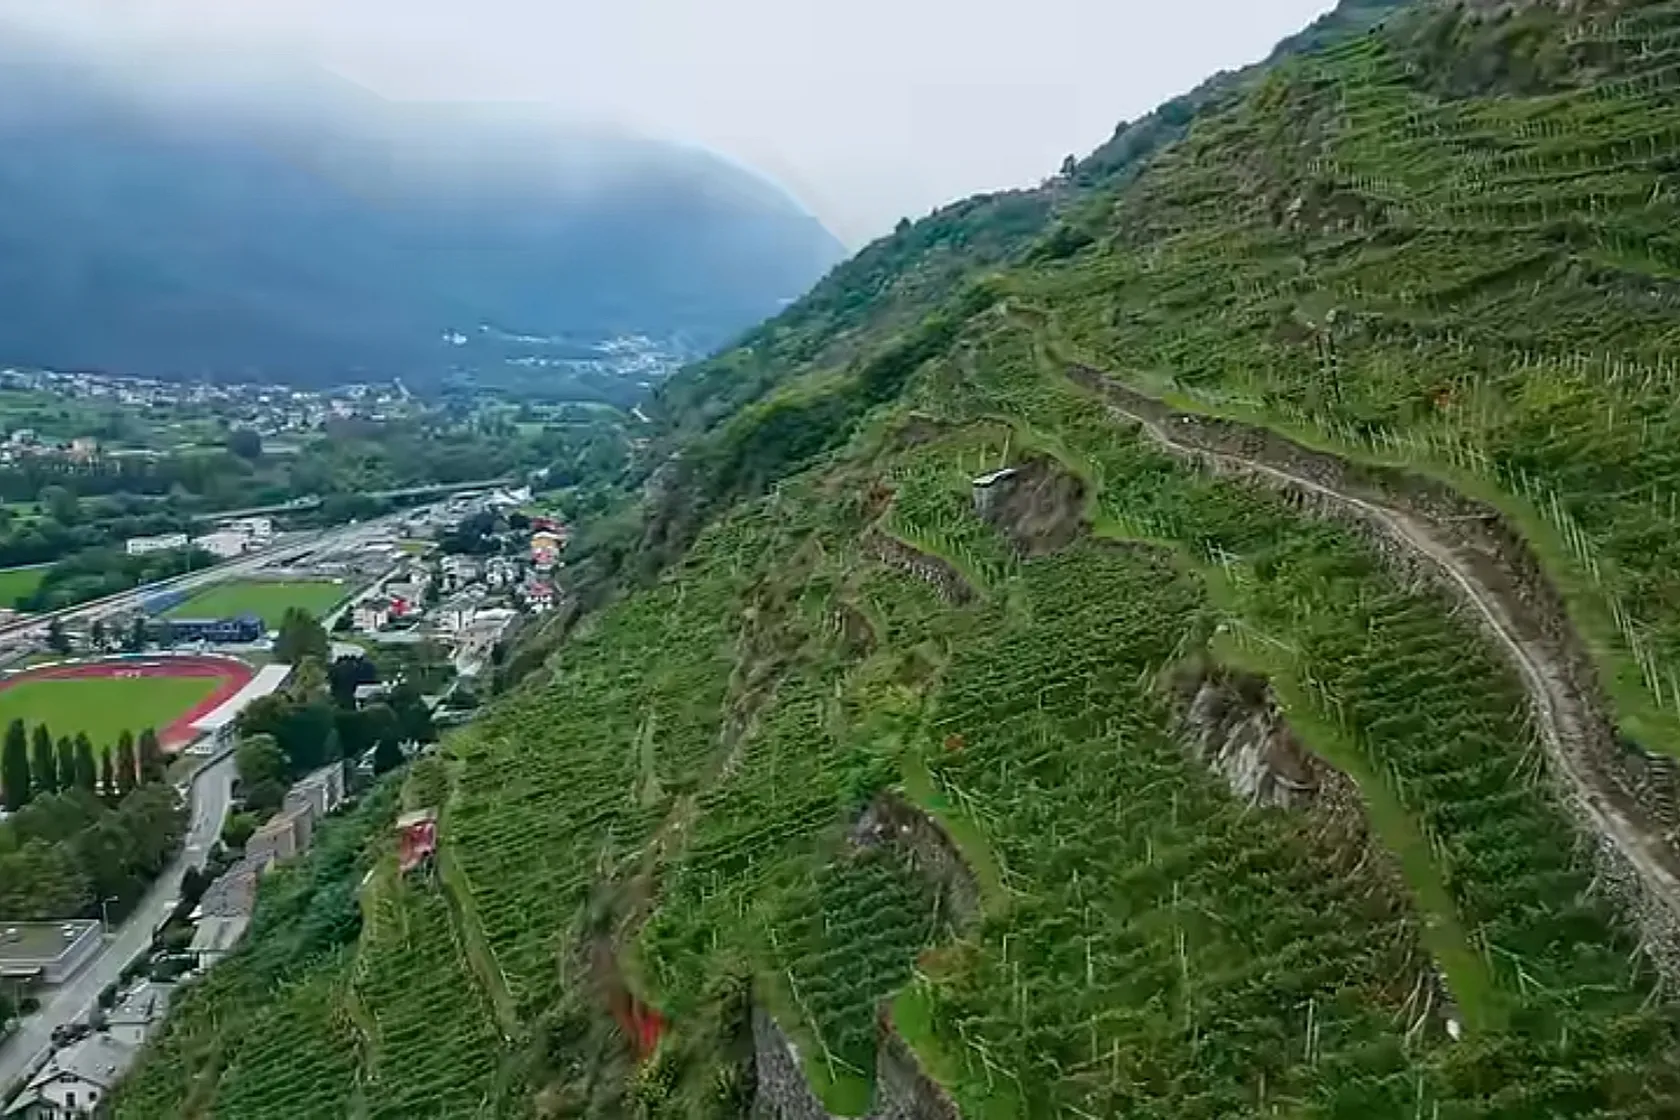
64,852
1445,245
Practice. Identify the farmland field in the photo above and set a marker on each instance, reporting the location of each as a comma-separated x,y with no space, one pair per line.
15,583
104,707
269,600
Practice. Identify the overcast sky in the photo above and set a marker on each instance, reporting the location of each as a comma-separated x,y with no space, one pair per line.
867,110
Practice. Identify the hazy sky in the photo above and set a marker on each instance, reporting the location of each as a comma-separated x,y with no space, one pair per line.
867,110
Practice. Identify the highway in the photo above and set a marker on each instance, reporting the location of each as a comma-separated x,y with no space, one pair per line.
26,1048
295,544
130,599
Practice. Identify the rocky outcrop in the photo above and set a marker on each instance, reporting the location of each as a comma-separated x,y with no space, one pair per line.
902,1090
1036,504
933,571
890,821
1232,723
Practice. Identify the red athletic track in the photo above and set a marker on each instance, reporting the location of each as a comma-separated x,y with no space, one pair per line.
233,675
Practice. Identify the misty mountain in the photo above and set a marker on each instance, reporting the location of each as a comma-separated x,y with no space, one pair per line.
311,232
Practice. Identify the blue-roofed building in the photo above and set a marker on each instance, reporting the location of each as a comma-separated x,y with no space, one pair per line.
180,631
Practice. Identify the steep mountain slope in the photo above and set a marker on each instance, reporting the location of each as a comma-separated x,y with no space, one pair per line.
343,238
1212,660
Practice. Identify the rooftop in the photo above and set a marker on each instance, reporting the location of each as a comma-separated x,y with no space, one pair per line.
97,1059
39,943
268,678
281,821
146,1004
218,933
233,893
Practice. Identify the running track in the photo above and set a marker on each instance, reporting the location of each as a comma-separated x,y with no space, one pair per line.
230,673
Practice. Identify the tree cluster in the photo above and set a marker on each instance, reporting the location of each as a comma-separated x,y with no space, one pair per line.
86,831
32,765
315,721
98,572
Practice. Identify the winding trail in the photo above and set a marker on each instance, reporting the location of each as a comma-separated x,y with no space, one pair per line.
1569,725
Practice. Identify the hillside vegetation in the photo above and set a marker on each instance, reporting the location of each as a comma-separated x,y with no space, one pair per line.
1206,650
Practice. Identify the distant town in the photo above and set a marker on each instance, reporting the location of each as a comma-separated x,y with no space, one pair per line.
270,411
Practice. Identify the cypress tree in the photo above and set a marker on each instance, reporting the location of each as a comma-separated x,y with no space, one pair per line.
107,778
87,767
43,767
14,767
151,757
128,771
66,765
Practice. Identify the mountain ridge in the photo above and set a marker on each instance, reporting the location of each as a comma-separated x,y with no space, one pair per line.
149,238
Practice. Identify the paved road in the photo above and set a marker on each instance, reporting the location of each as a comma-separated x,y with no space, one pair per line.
28,1046
129,600
293,546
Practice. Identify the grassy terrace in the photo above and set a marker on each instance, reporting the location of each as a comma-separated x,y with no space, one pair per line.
16,583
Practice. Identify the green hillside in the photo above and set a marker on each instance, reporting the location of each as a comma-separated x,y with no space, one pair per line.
1199,639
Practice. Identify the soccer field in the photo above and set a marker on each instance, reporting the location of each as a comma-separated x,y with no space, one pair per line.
103,707
268,600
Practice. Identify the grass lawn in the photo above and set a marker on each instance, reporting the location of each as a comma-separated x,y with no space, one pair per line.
270,600
18,582
103,707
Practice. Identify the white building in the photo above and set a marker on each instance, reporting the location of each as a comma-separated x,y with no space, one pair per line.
371,615
457,614
74,1080
255,529
49,952
501,572
458,571
226,545
140,546
142,1009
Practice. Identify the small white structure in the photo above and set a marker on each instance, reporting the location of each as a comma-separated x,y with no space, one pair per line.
140,546
142,1009
219,723
75,1079
225,545
321,791
457,614
501,572
255,529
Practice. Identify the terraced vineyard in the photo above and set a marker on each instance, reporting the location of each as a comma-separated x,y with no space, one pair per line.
1221,665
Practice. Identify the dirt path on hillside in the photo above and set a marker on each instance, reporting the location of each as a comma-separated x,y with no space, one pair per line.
1469,550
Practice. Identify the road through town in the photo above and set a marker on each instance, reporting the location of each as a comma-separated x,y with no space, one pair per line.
27,1047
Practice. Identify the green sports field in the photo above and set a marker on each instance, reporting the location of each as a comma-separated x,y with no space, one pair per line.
18,582
103,707
269,600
